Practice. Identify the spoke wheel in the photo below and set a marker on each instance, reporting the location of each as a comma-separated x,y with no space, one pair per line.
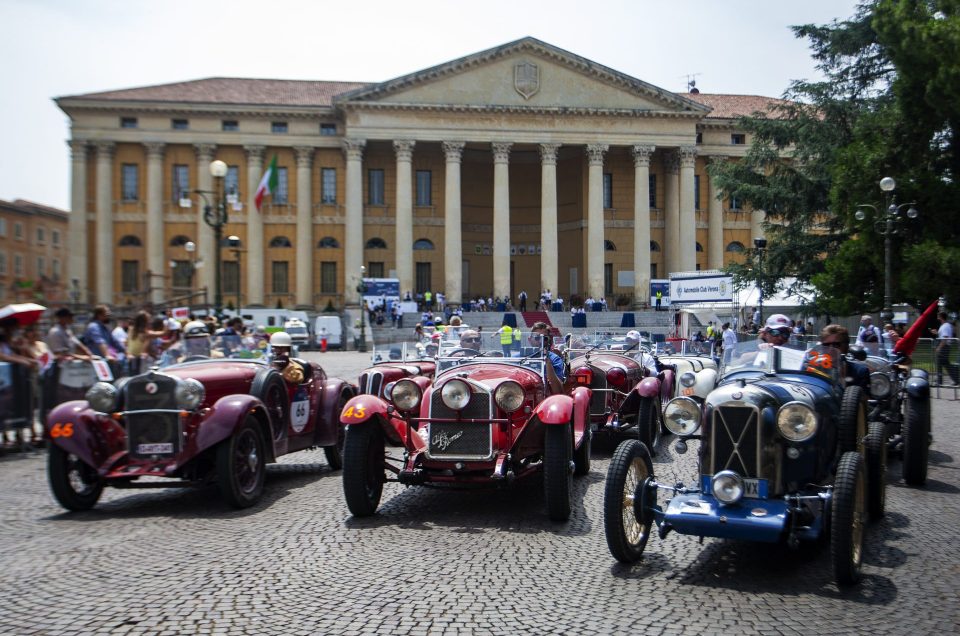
241,465
334,454
848,513
626,522
648,424
876,455
75,485
557,473
363,468
853,420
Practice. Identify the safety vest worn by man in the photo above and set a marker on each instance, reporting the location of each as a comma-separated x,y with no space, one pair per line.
506,335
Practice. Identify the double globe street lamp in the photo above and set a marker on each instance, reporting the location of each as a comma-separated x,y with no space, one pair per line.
362,289
760,246
216,217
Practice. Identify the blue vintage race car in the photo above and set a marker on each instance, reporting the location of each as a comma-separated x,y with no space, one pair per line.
784,456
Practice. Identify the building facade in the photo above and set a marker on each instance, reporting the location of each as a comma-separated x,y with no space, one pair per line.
33,253
521,167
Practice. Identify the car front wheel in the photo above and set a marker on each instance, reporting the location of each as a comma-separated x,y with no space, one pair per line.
75,485
334,453
916,441
557,473
363,466
848,511
648,424
241,465
876,449
629,472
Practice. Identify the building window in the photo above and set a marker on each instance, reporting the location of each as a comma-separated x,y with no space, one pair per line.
653,190
229,125
41,267
422,277
328,185
699,247
129,276
41,236
3,263
696,192
424,193
607,190
608,279
376,244
129,240
3,227
328,242
18,265
278,127
734,203
375,187
735,247
55,237
328,130
280,196
738,139
328,277
56,269
232,181
18,231
130,182
179,240
653,270
699,137
128,122
654,246
181,274
231,277
423,244
181,182
280,241
608,246
375,269
179,124
281,277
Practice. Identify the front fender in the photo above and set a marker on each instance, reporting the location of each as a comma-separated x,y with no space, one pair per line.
918,387
92,438
667,379
648,387
226,416
363,409
556,409
325,429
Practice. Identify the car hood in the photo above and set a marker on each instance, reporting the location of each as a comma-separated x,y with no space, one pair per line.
763,393
492,375
219,378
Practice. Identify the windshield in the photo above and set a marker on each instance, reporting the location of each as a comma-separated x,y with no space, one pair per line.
401,352
471,347
296,331
758,356
604,342
215,347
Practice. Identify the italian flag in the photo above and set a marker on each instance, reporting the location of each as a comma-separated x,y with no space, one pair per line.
268,184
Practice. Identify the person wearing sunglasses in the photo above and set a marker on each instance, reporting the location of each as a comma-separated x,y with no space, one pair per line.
838,337
470,339
555,371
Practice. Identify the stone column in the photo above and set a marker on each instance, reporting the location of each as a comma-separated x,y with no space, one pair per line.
353,230
671,204
641,224
104,257
688,215
206,244
452,231
304,239
501,219
595,252
715,222
549,250
77,236
255,245
155,243
403,238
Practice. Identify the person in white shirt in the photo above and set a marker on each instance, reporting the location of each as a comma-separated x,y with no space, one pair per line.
647,360
868,336
729,336
945,343
120,332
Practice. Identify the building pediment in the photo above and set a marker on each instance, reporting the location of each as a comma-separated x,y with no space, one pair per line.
525,75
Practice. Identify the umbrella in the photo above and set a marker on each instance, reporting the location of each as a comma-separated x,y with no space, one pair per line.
23,313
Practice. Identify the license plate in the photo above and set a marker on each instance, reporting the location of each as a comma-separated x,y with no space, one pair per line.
155,449
751,488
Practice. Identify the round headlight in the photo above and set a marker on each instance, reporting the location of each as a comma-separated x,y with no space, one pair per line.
405,395
688,378
682,416
188,394
797,422
617,377
102,397
455,394
388,390
509,396
727,486
879,385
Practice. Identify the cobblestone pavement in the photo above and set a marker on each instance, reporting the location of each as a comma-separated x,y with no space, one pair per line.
454,562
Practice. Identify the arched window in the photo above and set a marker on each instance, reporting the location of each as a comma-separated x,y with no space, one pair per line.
699,247
608,246
423,244
179,240
654,246
376,244
235,243
328,242
736,247
130,241
280,241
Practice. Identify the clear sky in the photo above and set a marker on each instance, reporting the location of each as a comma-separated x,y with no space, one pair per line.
52,48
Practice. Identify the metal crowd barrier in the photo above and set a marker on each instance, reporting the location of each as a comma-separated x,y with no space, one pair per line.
17,398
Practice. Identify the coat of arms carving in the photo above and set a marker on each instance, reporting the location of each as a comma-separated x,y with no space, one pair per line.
526,79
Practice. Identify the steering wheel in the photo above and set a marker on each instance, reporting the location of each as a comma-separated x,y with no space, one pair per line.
461,352
195,357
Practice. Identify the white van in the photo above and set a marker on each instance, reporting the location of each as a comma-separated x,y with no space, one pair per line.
298,333
330,325
271,319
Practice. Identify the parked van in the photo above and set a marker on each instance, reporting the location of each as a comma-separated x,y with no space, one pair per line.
298,333
270,319
331,326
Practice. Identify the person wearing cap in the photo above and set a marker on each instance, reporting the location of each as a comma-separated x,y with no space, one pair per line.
776,331
281,345
196,339
641,355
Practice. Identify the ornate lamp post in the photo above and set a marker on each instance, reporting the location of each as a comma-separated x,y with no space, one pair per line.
760,245
362,288
886,224
233,242
216,217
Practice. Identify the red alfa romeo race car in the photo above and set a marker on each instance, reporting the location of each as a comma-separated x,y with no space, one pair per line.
484,419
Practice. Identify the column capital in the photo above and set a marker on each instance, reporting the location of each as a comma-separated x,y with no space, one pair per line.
254,152
453,150
105,149
205,152
501,151
78,149
155,149
353,148
671,161
641,155
688,156
595,153
304,156
404,149
548,153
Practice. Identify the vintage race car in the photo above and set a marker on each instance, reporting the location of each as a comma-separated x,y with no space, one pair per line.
484,419
695,367
394,362
219,412
785,456
626,396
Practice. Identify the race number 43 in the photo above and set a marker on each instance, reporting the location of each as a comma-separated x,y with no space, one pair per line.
358,412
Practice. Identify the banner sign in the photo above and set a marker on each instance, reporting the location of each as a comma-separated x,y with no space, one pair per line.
661,285
701,289
180,313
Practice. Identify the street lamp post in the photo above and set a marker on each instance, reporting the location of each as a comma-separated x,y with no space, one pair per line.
216,217
886,224
760,244
362,288
234,243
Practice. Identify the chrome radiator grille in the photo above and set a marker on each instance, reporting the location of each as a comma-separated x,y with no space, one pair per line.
477,409
598,399
735,440
150,434
460,440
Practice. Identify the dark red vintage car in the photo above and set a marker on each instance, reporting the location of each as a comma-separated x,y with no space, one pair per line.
219,414
394,362
484,419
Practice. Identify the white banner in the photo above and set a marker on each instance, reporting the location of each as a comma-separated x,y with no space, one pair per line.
701,289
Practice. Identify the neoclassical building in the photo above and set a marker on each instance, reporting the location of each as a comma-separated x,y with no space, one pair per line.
521,167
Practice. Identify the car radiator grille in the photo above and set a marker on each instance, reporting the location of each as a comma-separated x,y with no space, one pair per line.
371,383
598,399
735,440
150,434
460,439
150,391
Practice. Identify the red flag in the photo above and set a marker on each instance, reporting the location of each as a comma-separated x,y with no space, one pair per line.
908,342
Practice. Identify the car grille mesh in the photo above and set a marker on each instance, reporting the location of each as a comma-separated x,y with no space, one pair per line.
477,409
736,440
151,434
459,439
598,399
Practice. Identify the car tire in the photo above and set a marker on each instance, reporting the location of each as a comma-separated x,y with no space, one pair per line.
334,453
876,455
242,465
557,476
581,456
648,424
76,485
268,386
363,466
848,510
915,433
629,469
853,420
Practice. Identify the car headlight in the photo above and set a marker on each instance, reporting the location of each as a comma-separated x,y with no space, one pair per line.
455,394
682,416
879,385
102,397
388,390
188,394
688,378
797,422
727,487
509,396
405,395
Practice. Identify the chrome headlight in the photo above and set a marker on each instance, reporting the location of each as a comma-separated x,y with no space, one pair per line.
102,397
796,421
455,394
188,394
879,385
727,487
388,390
509,396
688,378
682,416
405,395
